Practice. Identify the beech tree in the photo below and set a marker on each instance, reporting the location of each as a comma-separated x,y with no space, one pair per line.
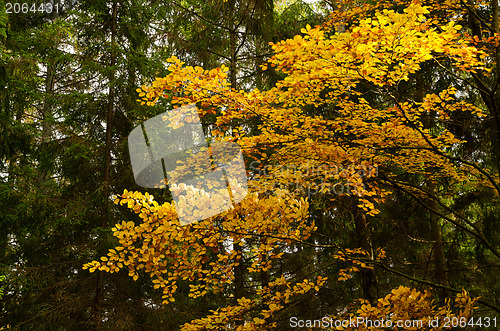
339,130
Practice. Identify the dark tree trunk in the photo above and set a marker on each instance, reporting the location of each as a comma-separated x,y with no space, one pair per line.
368,278
99,291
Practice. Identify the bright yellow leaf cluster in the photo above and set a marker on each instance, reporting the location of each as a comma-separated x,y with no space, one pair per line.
275,296
415,310
381,50
201,252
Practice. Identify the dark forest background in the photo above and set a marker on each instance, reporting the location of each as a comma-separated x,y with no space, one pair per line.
68,83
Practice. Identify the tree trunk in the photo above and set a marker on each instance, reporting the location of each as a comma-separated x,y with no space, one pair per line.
489,90
47,115
440,268
99,291
368,278
438,253
239,270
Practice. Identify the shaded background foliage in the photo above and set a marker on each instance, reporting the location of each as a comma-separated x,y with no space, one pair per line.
67,103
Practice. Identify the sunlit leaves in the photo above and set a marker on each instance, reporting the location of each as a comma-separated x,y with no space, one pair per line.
168,252
340,144
415,310
279,293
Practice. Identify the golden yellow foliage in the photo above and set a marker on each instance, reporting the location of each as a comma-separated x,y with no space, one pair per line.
407,309
381,50
168,252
